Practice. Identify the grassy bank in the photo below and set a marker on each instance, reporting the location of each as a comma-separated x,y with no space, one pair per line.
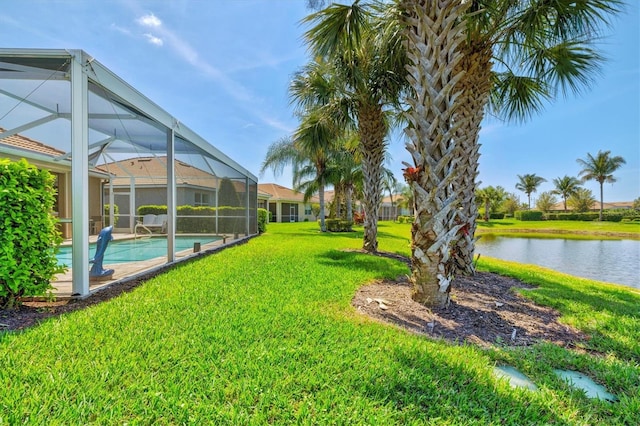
568,229
264,333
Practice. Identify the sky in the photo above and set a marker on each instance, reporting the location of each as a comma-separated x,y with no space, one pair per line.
223,68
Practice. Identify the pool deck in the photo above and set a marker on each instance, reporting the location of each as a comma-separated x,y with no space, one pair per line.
131,270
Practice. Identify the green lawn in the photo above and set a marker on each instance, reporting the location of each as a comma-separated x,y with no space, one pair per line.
264,333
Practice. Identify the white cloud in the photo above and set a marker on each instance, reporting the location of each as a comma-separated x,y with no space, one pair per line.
154,40
150,20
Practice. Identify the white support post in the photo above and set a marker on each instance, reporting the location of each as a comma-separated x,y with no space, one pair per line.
216,203
132,204
79,176
171,197
248,221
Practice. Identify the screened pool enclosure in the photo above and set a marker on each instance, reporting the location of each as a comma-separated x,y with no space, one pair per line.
118,158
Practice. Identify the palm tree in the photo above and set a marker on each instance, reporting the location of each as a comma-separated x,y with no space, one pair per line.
451,46
370,67
529,184
565,187
490,197
600,168
545,201
582,200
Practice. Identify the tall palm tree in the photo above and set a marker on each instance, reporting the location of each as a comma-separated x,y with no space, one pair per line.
369,64
451,46
565,187
600,168
529,184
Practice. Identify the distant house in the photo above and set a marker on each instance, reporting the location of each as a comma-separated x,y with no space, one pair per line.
284,204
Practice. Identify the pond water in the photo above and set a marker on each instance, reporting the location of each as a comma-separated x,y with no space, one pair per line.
603,260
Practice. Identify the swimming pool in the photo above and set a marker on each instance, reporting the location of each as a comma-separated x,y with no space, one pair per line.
136,250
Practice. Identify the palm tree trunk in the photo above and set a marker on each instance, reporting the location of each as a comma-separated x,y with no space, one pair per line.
349,199
435,32
601,200
372,130
475,87
323,226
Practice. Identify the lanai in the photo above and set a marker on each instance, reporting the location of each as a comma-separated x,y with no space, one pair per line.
69,101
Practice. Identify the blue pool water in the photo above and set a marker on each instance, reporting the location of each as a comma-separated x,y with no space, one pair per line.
136,250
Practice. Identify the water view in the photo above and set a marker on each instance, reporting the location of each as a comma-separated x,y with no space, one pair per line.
602,260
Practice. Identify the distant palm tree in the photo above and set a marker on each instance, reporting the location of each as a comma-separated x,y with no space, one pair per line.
545,201
565,187
528,184
490,197
582,200
600,168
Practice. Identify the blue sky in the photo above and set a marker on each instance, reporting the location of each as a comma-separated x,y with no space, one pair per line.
223,67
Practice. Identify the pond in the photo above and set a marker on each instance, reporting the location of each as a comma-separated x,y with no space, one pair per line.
615,261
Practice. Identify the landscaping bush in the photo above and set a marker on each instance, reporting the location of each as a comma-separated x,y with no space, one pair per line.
105,214
496,215
29,239
339,225
263,215
585,217
405,219
528,215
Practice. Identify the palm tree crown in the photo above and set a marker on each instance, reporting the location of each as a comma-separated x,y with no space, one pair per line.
529,184
565,187
600,168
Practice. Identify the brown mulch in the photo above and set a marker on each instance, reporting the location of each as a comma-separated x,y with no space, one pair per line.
484,310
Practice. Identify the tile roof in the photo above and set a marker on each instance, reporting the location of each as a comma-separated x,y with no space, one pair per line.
281,193
153,171
27,144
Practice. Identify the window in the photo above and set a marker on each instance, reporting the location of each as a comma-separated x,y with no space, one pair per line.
201,199
307,210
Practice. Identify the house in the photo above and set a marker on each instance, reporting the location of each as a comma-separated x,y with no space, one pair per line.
284,204
140,181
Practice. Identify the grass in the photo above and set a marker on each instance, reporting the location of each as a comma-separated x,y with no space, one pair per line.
264,333
568,229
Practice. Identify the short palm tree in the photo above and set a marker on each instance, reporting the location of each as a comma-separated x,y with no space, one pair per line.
600,168
370,67
490,197
529,184
565,187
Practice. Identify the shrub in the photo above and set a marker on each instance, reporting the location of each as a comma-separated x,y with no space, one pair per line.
401,219
586,217
496,215
263,215
29,239
528,215
105,214
338,225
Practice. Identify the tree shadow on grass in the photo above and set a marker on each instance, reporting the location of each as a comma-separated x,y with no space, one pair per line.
384,267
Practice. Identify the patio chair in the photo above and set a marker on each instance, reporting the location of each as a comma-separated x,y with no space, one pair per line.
151,222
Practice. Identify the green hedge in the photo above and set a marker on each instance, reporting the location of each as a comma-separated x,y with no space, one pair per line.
338,225
263,215
528,215
405,219
29,239
231,220
497,215
105,214
591,216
